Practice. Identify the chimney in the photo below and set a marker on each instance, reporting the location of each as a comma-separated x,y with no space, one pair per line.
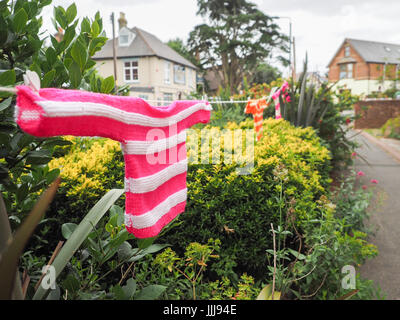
122,20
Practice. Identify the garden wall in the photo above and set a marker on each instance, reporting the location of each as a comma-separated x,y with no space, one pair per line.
375,113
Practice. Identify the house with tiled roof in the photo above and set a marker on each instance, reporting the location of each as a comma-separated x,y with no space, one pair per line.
152,69
365,67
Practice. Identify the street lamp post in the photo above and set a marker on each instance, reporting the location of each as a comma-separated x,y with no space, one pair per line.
290,44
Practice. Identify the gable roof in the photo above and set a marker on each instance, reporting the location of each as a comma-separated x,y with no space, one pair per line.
373,51
380,52
145,44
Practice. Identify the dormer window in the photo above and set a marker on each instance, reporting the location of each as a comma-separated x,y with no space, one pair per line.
123,40
387,49
347,51
125,37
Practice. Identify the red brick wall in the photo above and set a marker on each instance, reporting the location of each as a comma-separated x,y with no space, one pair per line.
375,113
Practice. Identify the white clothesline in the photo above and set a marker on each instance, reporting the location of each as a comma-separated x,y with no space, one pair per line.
210,101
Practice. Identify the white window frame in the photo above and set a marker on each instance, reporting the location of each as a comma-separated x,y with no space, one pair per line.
169,99
167,72
130,68
182,69
342,73
347,73
130,36
350,68
123,43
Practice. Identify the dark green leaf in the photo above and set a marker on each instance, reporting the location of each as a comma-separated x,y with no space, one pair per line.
125,251
52,175
51,56
20,20
22,192
79,54
5,103
48,78
96,44
119,293
150,292
75,75
7,78
71,284
95,30
59,14
44,3
107,85
68,37
56,142
38,157
71,13
85,25
146,242
130,288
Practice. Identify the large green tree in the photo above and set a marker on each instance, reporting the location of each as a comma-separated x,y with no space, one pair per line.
265,73
234,38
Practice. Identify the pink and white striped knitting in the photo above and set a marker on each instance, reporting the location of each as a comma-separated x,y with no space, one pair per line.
153,141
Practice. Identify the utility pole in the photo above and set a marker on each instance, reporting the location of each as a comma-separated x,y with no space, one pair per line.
290,42
294,60
114,48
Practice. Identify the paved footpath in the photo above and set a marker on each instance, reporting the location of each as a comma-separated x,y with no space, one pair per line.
384,270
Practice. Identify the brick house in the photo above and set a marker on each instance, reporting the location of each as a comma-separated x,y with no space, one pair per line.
365,67
152,69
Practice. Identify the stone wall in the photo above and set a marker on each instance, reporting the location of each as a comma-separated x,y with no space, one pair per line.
375,113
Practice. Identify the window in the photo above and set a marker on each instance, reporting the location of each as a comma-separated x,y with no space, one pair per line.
347,51
350,70
346,71
179,74
342,71
167,72
123,40
131,73
387,49
167,97
125,37
144,96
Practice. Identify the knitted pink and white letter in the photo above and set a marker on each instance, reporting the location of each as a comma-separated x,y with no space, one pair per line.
153,140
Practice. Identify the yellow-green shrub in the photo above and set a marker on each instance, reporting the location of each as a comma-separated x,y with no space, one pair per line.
391,129
93,167
237,209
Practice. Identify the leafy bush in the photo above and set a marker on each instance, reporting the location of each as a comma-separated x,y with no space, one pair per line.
391,129
219,199
67,64
91,168
238,209
325,245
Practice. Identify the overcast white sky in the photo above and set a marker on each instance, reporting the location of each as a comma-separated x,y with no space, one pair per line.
319,26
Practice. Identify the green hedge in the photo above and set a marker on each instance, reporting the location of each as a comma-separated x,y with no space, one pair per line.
238,209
